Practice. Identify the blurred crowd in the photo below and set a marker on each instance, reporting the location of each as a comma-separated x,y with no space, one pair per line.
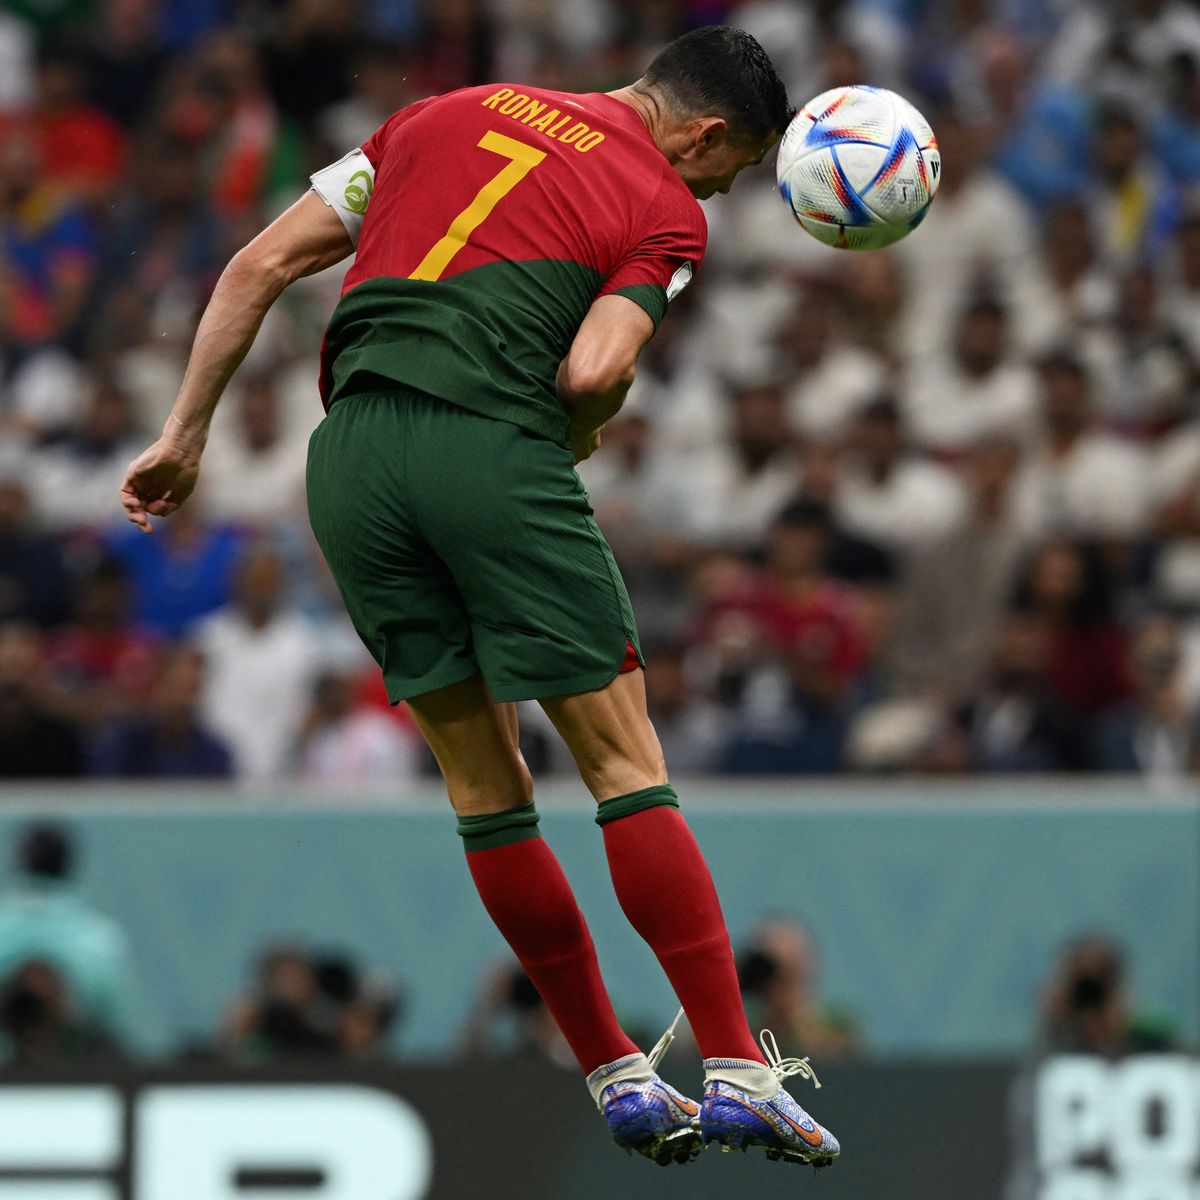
929,509
70,992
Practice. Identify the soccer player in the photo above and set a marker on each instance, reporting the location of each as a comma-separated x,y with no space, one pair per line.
516,248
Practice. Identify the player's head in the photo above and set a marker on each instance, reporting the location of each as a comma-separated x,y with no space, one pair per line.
723,102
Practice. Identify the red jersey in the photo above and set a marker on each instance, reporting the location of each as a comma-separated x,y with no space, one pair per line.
488,220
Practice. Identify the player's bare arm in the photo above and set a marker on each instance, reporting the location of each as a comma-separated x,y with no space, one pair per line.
305,239
596,375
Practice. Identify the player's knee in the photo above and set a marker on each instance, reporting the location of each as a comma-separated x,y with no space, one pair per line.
624,769
495,790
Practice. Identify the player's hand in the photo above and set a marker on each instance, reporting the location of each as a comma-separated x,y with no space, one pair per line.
585,444
158,481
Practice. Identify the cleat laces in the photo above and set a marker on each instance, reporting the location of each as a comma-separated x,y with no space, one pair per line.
664,1043
781,1068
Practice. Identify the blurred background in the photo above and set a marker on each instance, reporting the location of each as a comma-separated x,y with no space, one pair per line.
927,519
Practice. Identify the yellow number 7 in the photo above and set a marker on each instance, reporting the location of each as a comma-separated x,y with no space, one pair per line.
523,159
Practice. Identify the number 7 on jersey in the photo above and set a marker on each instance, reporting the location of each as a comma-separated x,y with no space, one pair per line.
522,160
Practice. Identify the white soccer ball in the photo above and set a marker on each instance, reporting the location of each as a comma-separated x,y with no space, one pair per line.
859,167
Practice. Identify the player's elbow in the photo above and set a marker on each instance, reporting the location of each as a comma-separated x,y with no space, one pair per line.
598,377
256,271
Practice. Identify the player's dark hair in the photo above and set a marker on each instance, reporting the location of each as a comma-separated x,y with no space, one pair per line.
46,852
723,72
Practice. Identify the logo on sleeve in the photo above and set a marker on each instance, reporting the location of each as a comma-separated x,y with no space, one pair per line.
679,280
358,192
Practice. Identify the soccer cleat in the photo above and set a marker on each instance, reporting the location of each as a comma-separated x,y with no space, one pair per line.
643,1112
737,1120
652,1118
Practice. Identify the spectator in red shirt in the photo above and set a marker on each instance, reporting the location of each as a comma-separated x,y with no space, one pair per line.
102,662
80,148
788,645
47,249
1067,589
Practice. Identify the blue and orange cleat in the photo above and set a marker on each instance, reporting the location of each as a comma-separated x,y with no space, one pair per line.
654,1119
643,1112
737,1120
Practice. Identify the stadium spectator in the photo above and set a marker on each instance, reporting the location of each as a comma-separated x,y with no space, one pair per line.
125,59
877,307
34,584
101,663
181,574
1134,206
50,246
1155,732
167,739
1175,489
977,238
785,648
510,1020
1013,723
80,149
690,726
285,1014
85,978
1177,130
305,1005
779,973
829,380
40,1025
262,659
34,741
254,464
1141,358
76,476
1181,271
1077,479
1065,289
1039,126
1066,588
733,490
342,739
887,494
163,245
954,591
1086,1007
973,390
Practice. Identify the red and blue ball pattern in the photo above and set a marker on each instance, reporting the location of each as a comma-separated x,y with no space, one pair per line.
859,167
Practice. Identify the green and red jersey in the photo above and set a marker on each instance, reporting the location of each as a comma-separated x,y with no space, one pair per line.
487,222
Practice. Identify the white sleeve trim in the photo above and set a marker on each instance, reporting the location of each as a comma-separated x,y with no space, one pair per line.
679,281
346,187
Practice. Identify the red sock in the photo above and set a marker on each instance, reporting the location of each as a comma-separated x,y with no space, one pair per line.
666,891
528,897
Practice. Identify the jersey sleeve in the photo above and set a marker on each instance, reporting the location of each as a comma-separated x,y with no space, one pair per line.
346,185
663,258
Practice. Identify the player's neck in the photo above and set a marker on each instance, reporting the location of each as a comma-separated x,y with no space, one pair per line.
649,108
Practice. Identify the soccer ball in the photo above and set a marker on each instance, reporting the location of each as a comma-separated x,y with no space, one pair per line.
858,167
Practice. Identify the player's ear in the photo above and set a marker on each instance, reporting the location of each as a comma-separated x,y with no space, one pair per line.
708,134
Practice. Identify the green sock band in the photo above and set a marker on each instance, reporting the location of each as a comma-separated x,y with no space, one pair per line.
636,802
489,830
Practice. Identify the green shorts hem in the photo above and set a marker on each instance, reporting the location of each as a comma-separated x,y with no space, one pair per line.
408,689
574,686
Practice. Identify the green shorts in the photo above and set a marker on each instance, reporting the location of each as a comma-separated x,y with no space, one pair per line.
464,545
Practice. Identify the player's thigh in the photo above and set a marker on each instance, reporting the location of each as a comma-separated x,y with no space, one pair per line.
548,608
609,733
400,596
474,741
